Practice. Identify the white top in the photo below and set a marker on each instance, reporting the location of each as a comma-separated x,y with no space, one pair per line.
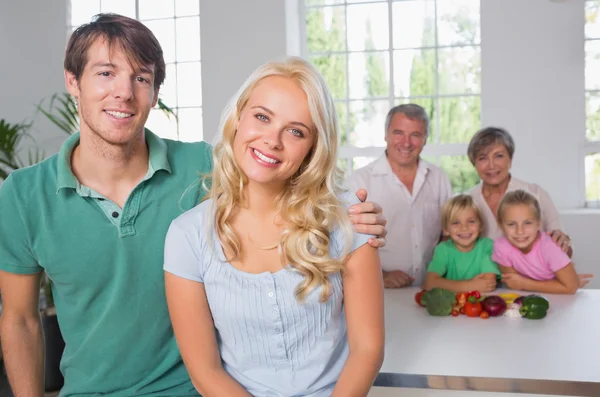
562,346
414,226
270,343
550,215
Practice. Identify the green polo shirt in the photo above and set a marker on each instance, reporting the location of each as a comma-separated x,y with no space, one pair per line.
106,265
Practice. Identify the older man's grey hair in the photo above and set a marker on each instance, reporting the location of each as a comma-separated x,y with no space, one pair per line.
488,137
410,110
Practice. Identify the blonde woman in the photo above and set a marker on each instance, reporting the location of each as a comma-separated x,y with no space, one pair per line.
270,291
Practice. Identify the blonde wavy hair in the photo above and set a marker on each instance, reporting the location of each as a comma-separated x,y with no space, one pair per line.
453,206
309,205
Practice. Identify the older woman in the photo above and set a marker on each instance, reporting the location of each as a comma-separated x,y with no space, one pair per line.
490,151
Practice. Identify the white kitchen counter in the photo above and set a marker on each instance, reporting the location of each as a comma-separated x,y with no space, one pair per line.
552,355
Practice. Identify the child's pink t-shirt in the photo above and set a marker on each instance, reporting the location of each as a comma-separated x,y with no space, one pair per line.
540,263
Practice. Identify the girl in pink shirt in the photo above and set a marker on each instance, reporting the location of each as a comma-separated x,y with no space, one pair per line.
528,258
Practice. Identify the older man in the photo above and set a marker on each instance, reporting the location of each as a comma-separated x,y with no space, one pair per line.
411,192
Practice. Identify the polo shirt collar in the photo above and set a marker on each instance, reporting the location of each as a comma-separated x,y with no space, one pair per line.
157,160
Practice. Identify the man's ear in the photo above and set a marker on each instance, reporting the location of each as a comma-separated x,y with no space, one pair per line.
71,84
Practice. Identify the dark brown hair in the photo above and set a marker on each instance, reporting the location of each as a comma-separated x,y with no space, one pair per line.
137,41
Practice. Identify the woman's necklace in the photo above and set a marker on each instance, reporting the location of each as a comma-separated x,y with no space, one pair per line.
267,248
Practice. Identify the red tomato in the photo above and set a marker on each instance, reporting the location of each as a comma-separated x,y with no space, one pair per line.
484,314
454,313
418,296
462,310
476,294
473,309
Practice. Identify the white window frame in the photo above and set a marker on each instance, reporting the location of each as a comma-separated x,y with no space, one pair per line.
174,79
431,149
589,147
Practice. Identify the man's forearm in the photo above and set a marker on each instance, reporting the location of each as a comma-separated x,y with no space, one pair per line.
23,349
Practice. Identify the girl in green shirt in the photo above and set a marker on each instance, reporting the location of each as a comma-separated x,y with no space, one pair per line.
462,262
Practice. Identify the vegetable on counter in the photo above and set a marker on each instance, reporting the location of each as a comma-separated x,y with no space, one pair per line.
418,297
509,297
534,307
494,305
439,301
473,307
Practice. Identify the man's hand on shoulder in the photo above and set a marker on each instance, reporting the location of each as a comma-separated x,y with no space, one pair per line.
367,218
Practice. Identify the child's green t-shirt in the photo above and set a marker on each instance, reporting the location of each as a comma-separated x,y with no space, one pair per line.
453,264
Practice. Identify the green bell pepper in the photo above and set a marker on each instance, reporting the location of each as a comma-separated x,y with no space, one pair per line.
534,307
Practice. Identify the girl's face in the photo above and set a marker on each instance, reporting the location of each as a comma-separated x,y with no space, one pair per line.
520,226
274,132
464,229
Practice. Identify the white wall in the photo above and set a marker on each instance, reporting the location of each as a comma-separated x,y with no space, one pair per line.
533,85
32,43
532,81
237,37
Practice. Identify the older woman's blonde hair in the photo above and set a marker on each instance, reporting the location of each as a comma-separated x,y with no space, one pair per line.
309,205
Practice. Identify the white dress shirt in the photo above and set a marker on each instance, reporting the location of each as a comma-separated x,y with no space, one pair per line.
550,215
413,226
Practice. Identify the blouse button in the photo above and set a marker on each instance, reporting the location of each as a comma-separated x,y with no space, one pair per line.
270,294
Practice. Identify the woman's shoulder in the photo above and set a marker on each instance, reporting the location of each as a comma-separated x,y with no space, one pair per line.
195,217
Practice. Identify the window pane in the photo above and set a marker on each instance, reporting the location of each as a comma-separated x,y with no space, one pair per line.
188,39
190,124
368,120
343,120
83,10
325,29
592,65
168,91
359,162
164,30
333,70
593,116
366,1
152,9
369,74
459,70
458,22
161,125
323,2
123,7
370,27
592,19
460,171
413,24
187,7
459,117
414,73
189,84
429,105
592,178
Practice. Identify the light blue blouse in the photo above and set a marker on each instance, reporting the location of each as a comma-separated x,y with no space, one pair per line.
273,345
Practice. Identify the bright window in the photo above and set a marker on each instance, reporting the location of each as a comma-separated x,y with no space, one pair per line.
381,53
592,94
176,25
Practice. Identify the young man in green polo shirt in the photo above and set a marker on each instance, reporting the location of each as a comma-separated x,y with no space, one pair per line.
94,217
